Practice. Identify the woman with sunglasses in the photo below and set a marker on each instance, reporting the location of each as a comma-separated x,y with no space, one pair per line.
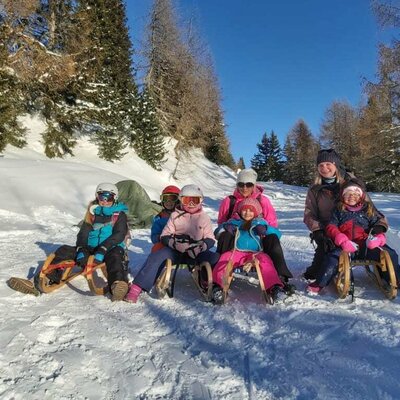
188,237
246,187
321,200
169,200
102,234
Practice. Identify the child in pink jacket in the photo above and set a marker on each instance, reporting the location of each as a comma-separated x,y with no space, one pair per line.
188,236
248,232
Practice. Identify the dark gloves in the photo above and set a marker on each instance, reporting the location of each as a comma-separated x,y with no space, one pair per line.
82,255
195,249
230,228
99,253
377,229
260,230
318,237
179,243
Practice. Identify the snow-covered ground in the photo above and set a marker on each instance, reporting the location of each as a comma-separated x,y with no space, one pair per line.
73,345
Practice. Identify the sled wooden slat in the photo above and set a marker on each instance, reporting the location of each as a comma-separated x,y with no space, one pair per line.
91,268
343,281
228,277
67,276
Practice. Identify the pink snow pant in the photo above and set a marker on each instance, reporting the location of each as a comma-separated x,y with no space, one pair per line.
268,271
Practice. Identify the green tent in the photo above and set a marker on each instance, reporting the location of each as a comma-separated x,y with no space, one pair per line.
141,208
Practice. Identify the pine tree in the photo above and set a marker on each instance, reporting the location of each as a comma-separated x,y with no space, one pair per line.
259,161
183,85
240,164
268,161
148,140
275,162
300,151
11,131
339,131
110,87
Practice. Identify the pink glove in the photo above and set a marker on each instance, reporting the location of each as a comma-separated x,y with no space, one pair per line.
378,240
340,238
349,246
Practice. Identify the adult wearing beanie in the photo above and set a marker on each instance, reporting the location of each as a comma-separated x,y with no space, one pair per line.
321,200
246,187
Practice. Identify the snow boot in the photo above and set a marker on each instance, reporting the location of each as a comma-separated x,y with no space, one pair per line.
288,288
23,285
133,294
217,295
277,294
119,289
313,289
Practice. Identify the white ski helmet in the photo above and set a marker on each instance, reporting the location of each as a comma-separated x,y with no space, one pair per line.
107,187
191,191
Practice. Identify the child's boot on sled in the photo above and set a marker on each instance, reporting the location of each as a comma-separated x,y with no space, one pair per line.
217,295
133,294
23,286
277,293
288,288
119,289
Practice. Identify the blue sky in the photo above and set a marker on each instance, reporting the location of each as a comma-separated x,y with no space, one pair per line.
279,61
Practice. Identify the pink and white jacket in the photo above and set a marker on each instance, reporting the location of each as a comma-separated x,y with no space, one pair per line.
268,211
197,226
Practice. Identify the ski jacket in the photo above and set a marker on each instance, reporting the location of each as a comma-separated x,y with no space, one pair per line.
354,224
109,227
159,222
268,211
247,240
321,201
197,226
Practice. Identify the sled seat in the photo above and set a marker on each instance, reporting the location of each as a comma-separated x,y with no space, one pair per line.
252,266
165,283
344,280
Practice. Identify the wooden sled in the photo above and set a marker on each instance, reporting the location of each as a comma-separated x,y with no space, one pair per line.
70,271
165,283
91,275
345,282
228,277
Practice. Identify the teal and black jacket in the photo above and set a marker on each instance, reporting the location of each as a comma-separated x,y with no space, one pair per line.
108,229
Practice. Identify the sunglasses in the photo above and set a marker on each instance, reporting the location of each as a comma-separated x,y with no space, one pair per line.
105,196
190,201
351,194
247,184
169,197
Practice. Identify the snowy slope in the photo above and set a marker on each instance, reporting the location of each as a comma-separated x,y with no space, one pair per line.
72,345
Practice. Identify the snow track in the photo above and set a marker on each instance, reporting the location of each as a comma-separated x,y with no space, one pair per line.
73,345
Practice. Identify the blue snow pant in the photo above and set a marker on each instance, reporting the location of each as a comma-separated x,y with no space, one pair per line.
153,266
330,264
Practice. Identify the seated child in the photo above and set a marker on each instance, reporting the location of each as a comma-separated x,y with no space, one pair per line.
102,234
169,200
188,236
248,232
354,219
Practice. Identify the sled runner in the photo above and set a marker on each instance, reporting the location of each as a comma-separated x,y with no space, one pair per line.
253,265
68,269
165,283
91,275
345,280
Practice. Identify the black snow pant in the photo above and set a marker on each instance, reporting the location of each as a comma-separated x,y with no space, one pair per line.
271,246
324,246
115,260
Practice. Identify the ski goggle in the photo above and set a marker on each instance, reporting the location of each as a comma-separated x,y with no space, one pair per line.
105,196
169,197
247,184
190,201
